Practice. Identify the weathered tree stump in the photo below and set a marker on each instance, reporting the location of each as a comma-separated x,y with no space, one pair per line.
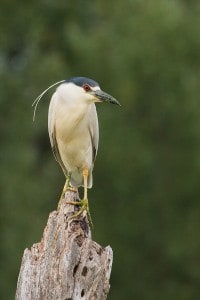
66,264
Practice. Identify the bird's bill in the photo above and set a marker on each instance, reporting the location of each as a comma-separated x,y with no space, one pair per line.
103,96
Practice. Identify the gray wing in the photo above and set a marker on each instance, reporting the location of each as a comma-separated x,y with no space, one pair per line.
52,133
94,132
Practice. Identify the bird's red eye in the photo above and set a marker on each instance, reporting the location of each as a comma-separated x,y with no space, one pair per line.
86,87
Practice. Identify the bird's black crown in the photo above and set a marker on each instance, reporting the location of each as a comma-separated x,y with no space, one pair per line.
80,81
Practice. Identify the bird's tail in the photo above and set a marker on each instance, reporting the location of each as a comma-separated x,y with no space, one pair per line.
77,179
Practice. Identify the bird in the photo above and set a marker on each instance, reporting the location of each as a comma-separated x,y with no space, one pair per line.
74,131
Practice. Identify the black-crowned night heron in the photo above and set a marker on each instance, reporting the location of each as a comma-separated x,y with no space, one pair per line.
74,131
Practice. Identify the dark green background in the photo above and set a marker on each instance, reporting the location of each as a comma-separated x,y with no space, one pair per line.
145,198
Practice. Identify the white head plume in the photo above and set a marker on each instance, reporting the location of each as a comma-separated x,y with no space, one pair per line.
37,100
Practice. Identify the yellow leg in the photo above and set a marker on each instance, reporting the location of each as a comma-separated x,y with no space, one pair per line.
66,188
84,202
85,180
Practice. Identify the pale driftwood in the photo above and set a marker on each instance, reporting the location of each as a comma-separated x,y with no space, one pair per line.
66,264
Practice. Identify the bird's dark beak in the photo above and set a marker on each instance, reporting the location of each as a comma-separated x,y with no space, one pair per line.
103,96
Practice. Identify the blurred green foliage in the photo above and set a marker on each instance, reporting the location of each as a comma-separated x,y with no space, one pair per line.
145,198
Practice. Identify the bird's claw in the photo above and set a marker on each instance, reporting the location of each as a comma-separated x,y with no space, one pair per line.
84,207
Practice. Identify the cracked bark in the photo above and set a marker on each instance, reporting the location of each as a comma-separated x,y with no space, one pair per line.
67,264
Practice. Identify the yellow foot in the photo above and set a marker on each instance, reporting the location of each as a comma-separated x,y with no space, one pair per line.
84,206
72,189
65,189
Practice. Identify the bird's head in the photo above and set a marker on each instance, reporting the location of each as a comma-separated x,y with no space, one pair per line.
82,89
88,90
